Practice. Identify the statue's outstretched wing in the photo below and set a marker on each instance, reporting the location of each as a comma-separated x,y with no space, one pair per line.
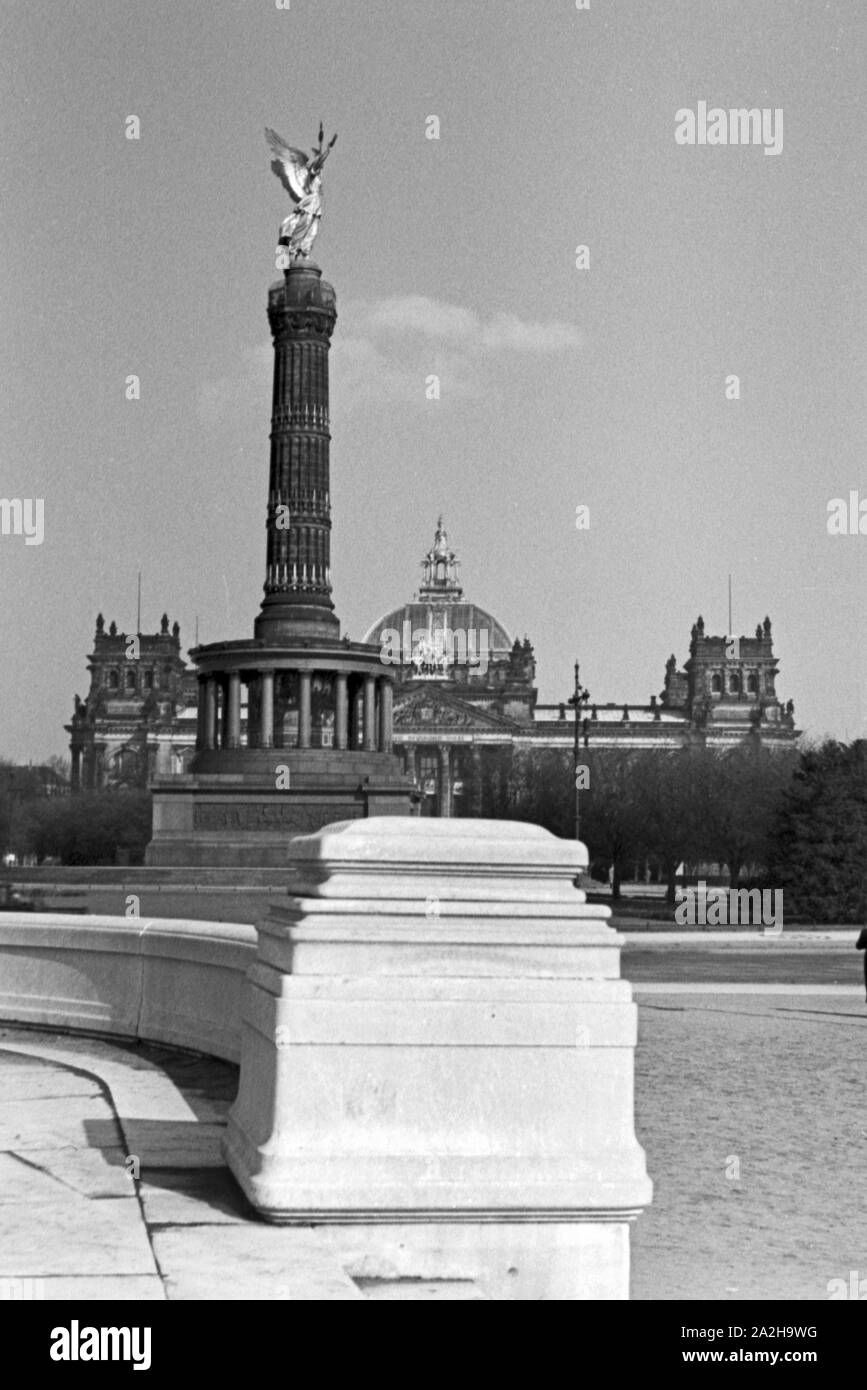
290,165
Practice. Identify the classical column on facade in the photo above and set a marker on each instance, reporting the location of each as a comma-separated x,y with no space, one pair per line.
409,761
251,735
444,756
200,712
370,714
233,710
385,714
477,799
279,709
209,730
75,776
266,710
222,706
356,728
304,709
341,712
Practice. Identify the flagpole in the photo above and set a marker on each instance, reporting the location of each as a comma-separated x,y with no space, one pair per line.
730,627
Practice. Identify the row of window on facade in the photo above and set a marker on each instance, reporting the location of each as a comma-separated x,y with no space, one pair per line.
111,677
735,685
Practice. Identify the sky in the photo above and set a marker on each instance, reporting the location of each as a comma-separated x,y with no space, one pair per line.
606,386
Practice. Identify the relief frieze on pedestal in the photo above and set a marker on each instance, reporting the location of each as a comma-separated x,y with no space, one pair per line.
299,819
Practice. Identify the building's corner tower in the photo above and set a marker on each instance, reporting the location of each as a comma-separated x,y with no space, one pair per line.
731,687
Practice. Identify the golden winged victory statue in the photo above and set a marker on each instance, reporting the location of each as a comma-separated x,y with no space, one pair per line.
301,176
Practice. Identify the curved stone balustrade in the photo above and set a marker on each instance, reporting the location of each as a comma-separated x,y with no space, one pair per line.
437,1055
158,979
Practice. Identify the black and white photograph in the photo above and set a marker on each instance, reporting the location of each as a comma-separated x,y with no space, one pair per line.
433,676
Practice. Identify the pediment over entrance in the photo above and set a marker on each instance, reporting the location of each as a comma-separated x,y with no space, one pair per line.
429,709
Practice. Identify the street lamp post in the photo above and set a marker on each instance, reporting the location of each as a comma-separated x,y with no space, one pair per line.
576,700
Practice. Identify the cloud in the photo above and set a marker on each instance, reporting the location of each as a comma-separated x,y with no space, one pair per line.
390,347
415,313
385,350
509,332
365,372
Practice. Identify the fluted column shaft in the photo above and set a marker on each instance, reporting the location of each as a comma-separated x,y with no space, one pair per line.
233,720
224,710
209,731
341,720
385,714
304,709
302,315
444,754
370,714
266,710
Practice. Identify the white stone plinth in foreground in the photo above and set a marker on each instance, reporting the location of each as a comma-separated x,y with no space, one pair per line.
437,1061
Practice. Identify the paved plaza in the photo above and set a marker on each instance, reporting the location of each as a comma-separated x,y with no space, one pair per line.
749,1102
750,1105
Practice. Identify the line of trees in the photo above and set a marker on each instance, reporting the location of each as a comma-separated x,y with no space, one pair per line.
39,819
789,819
818,845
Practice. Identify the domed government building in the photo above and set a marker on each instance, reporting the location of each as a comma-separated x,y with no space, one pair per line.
464,693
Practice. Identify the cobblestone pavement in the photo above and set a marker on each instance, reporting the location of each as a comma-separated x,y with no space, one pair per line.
751,1109
765,962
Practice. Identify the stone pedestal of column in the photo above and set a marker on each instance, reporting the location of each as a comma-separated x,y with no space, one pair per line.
437,1061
